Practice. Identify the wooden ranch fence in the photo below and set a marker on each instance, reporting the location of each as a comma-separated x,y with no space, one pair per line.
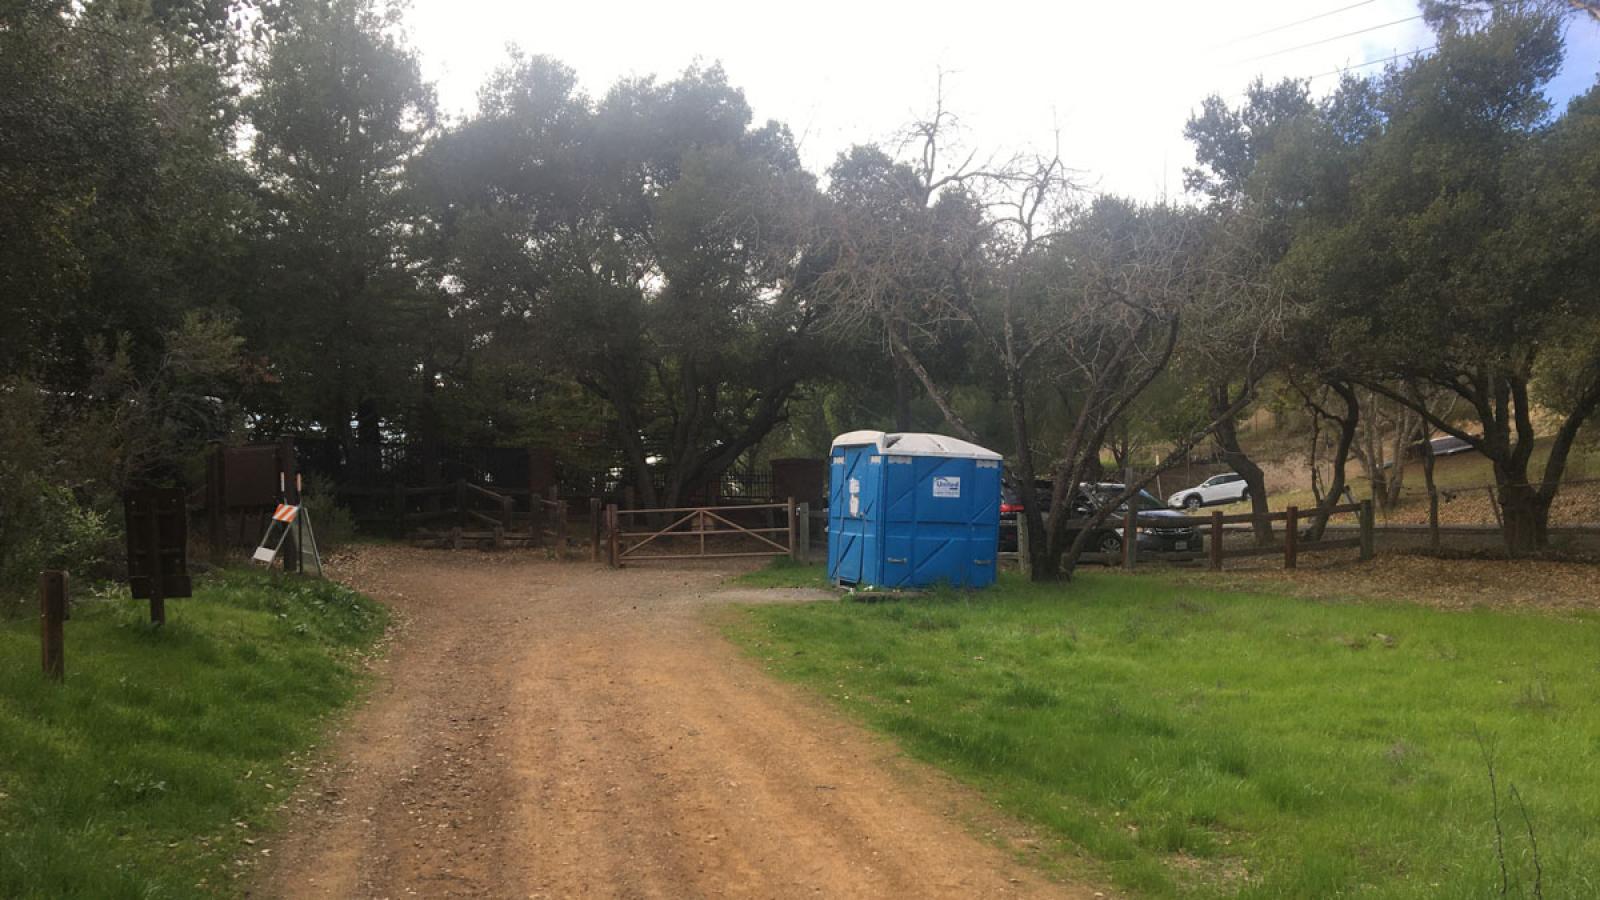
1292,544
704,532
1216,528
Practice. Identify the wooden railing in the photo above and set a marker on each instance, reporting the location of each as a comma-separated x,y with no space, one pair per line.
1292,545
1216,527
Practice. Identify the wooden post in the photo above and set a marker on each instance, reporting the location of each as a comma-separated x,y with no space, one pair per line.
216,503
794,530
804,541
1291,538
461,503
595,509
1130,534
612,548
289,482
1216,541
1024,552
1368,549
158,586
52,612
558,516
505,512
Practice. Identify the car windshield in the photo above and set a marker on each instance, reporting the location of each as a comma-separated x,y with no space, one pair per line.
1142,500
1147,500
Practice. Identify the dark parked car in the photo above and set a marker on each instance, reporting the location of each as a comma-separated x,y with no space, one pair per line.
1160,529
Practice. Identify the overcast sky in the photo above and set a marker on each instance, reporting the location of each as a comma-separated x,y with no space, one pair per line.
1116,80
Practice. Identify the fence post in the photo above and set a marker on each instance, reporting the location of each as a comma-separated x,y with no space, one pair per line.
594,529
216,502
461,503
1130,534
52,612
794,530
612,549
1024,549
1291,538
1216,540
1367,536
803,542
558,516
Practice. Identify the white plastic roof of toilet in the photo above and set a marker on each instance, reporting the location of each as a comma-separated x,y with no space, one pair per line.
914,444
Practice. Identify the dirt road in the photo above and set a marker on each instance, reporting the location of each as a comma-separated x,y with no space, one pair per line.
562,730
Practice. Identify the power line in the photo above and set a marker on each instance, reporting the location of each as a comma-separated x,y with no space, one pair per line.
1329,40
1375,62
1276,29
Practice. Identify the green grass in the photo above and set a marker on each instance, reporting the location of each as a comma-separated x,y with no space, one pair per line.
783,572
151,768
1199,743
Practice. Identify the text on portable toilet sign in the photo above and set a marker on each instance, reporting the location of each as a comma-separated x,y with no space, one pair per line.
855,497
947,486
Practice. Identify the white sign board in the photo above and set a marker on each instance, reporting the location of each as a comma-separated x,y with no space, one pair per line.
947,486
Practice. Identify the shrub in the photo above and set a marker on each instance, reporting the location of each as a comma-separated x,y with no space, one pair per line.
334,524
43,522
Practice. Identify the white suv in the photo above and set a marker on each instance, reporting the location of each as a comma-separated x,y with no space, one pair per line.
1225,488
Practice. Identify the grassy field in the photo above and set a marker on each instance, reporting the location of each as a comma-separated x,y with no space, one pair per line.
149,771
1195,743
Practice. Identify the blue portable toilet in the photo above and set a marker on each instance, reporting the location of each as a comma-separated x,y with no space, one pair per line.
912,510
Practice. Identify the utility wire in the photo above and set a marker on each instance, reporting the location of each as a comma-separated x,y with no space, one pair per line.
1329,40
1276,29
1375,62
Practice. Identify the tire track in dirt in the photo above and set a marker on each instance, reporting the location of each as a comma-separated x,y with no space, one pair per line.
562,730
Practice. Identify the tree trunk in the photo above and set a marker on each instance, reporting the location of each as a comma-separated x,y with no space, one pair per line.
1432,489
1525,518
1404,432
1032,517
1227,434
902,393
1341,456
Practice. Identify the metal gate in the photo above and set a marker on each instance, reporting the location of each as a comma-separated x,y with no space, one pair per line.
706,532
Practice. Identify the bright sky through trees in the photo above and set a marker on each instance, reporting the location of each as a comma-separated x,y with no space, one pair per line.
1118,80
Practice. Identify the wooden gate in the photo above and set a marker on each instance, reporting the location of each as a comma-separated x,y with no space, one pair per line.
705,532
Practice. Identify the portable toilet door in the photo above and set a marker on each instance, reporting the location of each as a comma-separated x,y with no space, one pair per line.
854,495
941,512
